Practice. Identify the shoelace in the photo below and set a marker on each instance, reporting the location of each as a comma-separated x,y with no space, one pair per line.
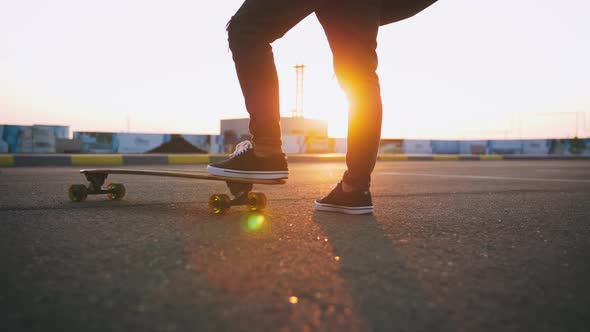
241,148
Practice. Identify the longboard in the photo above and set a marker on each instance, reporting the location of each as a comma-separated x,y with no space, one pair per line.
240,188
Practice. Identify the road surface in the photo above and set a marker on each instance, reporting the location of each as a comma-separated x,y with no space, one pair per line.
452,246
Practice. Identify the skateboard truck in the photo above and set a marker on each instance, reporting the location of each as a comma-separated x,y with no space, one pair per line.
243,195
239,191
95,181
79,192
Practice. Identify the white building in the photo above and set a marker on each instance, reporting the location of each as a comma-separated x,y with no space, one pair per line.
289,127
298,135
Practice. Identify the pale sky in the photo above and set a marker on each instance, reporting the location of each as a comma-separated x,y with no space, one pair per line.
460,69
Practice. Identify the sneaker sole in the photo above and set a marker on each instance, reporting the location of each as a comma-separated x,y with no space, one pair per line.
261,175
343,209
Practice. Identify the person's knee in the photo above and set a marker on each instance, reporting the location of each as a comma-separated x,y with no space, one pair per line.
356,67
233,34
355,79
241,36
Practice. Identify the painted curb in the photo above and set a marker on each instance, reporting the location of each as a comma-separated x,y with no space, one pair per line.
7,160
31,160
97,160
44,160
491,157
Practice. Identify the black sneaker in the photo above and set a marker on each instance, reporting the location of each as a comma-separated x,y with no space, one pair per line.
354,202
243,163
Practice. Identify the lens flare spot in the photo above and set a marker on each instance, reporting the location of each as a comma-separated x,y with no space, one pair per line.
255,222
293,300
337,258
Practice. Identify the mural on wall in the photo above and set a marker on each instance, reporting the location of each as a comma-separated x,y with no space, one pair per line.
394,146
30,139
95,142
179,144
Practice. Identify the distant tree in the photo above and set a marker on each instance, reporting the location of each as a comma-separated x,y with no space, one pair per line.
577,145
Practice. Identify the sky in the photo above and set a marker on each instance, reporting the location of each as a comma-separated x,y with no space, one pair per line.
460,69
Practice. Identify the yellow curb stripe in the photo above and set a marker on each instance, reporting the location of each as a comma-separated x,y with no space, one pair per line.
7,160
393,157
83,160
490,157
445,158
189,159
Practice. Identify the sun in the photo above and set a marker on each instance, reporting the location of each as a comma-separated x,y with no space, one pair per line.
324,100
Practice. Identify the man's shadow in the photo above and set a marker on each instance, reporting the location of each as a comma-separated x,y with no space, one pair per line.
381,282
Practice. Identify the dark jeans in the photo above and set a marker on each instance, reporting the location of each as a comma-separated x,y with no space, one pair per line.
351,28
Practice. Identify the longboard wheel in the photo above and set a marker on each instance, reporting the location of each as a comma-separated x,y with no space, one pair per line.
219,203
256,201
116,191
78,193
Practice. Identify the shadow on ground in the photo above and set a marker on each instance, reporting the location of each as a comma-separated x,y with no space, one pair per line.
383,287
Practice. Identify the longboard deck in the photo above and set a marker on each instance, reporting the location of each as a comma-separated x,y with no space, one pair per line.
190,174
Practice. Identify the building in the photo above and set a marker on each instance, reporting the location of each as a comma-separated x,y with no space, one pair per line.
289,127
298,134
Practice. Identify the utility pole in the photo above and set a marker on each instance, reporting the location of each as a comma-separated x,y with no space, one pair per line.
584,118
577,116
298,111
520,126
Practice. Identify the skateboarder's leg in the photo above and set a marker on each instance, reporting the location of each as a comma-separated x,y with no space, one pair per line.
351,27
250,31
397,10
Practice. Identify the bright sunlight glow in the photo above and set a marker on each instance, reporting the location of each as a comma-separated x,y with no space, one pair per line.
460,69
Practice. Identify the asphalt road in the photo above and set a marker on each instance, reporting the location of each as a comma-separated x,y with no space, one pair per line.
452,246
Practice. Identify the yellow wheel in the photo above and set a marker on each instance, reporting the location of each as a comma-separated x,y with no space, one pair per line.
219,203
116,191
256,201
78,193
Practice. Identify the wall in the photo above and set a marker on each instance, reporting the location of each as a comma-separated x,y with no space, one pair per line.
30,139
42,139
417,146
97,142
